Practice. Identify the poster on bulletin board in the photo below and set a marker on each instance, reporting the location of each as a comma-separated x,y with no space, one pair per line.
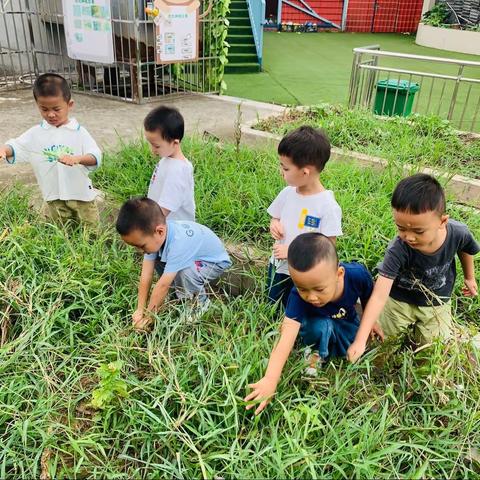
177,34
88,30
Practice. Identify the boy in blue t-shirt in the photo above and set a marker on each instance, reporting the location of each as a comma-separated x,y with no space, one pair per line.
193,256
321,308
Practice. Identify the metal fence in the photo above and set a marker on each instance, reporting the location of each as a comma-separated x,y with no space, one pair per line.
32,41
448,87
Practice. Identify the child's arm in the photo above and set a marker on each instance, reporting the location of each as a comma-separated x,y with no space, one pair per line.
6,151
160,291
265,388
146,277
372,312
470,289
88,160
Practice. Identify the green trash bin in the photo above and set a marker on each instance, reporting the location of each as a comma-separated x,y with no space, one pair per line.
395,97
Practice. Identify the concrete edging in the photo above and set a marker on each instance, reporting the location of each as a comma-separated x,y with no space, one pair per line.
466,190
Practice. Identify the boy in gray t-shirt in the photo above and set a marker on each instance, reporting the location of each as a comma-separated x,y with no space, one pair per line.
417,275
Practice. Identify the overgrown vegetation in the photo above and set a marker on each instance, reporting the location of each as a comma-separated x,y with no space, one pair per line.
66,303
417,139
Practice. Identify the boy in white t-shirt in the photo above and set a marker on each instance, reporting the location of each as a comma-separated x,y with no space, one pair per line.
304,206
171,185
61,152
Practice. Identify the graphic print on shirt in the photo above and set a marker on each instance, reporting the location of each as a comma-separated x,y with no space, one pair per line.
432,278
54,152
308,223
342,313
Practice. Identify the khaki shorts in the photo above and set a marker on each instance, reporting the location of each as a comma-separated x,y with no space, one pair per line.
77,210
428,322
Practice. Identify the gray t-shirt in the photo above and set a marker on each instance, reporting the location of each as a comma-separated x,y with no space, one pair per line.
426,279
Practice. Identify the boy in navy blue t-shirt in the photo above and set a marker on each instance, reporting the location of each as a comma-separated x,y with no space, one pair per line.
321,308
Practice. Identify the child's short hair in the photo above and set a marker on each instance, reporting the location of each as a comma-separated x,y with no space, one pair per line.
419,193
309,249
51,85
139,213
306,146
166,120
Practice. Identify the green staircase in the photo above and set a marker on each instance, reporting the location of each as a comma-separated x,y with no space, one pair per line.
242,54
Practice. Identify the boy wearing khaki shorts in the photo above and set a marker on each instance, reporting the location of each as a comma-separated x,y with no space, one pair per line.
417,275
62,154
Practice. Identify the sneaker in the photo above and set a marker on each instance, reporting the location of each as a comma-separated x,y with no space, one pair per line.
193,313
314,362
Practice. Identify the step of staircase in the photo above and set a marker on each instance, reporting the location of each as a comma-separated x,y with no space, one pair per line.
242,68
240,21
241,48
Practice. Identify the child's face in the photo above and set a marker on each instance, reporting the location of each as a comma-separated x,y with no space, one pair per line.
293,176
420,231
320,285
54,110
147,243
160,146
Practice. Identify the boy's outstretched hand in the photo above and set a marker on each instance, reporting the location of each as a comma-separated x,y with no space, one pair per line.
140,321
69,160
263,390
470,288
355,350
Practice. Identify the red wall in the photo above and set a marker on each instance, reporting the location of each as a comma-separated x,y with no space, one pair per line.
363,15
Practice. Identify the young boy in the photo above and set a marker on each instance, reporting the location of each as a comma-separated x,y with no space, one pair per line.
61,152
417,274
321,307
303,206
192,253
171,185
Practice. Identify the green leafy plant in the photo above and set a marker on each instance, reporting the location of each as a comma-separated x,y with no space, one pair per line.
111,385
437,16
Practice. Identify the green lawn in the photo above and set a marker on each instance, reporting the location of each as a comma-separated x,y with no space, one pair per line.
308,69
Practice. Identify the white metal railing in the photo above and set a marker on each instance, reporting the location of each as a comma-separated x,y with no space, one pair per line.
449,88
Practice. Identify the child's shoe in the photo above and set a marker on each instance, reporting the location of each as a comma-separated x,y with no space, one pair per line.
314,362
193,313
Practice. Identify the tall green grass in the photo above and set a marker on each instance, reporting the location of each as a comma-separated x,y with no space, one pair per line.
67,298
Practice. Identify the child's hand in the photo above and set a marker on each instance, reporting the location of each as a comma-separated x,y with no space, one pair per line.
377,332
140,321
69,160
280,251
470,289
263,390
355,351
276,229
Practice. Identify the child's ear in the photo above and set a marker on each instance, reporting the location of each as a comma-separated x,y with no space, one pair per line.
160,229
443,220
306,171
340,273
71,103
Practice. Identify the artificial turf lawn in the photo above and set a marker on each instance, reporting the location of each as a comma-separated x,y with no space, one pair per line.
309,68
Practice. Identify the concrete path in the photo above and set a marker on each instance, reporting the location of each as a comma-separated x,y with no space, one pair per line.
109,121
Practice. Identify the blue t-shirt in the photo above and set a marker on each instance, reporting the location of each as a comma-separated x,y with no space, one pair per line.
188,242
358,284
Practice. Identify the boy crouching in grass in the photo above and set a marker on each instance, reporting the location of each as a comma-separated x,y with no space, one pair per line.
321,307
192,253
417,274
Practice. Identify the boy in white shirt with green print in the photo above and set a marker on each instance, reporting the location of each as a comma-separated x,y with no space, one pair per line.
62,154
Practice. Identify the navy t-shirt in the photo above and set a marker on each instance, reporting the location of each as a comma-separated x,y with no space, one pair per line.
358,284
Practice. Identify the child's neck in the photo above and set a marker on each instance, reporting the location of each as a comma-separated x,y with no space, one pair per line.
311,188
177,153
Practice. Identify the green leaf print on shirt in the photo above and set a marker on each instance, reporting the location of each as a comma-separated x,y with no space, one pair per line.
54,152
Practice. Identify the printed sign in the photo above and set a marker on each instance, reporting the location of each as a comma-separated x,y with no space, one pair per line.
88,30
177,34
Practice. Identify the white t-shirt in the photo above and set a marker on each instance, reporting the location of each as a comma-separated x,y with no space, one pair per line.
171,186
43,144
305,213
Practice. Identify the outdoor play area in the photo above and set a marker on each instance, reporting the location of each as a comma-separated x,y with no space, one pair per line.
84,393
